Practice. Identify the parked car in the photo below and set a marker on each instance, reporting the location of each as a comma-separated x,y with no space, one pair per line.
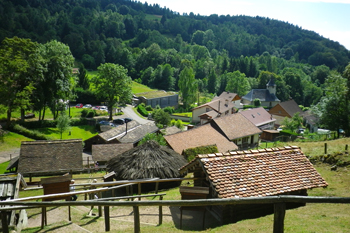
79,105
103,108
87,106
96,108
106,123
119,121
127,119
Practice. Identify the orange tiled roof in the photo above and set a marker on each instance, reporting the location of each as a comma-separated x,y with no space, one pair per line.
258,173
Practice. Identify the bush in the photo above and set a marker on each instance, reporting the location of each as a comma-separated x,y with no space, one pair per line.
191,153
169,110
149,108
142,110
91,114
29,133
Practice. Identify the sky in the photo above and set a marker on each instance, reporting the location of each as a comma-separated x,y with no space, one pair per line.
329,18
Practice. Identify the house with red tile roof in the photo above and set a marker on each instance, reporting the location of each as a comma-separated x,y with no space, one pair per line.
225,104
254,173
204,135
238,129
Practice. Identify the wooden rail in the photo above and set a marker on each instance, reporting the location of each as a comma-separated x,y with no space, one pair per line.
278,201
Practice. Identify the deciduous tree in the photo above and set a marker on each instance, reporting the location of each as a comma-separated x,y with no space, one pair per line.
113,84
188,86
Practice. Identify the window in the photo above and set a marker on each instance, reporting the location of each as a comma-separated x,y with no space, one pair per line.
245,140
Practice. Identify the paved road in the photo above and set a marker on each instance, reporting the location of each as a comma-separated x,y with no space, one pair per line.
7,155
129,111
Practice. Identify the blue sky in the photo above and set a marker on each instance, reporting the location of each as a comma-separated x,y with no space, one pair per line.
329,18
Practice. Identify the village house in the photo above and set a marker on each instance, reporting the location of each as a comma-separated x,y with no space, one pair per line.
132,132
51,156
285,109
200,136
154,98
222,105
238,129
266,96
255,173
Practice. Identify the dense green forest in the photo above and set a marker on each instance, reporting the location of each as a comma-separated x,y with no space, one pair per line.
154,44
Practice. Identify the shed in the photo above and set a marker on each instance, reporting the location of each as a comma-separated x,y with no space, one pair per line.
10,185
58,184
255,173
50,157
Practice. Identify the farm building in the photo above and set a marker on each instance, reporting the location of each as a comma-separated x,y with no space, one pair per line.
255,173
132,132
154,98
52,156
285,109
149,160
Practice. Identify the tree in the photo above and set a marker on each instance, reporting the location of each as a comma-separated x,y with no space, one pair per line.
161,117
188,87
155,137
238,83
19,72
63,123
294,123
58,81
212,82
113,84
333,109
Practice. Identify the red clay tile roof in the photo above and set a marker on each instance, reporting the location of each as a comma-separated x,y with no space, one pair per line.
201,136
236,126
258,173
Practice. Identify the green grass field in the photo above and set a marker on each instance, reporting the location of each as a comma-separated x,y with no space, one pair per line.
76,132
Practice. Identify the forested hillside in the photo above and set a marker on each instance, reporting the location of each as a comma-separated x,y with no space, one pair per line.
233,53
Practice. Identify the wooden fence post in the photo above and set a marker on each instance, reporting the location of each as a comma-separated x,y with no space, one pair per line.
278,222
107,220
136,219
346,148
139,190
4,223
160,211
325,148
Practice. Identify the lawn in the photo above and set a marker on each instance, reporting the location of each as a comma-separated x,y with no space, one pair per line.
11,141
76,132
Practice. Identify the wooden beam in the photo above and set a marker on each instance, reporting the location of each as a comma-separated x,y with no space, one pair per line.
5,227
107,219
136,219
160,212
278,222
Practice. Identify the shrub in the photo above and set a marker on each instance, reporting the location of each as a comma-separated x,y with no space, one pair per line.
149,108
169,110
191,153
91,113
29,133
142,110
84,112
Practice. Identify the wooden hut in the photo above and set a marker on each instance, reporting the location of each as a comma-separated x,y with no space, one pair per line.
149,160
255,173
50,157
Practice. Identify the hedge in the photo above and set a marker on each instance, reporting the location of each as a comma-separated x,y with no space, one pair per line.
29,133
142,110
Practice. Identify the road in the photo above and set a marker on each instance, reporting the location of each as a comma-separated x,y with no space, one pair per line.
129,111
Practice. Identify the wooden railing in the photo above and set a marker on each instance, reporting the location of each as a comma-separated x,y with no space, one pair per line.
278,201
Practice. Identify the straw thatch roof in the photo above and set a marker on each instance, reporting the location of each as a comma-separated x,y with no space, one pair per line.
150,160
50,156
105,152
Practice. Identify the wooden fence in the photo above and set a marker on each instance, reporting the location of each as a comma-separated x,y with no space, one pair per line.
278,201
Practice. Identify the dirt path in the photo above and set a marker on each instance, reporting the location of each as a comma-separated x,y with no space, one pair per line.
8,155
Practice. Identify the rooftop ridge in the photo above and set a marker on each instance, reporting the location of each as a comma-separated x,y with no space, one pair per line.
247,152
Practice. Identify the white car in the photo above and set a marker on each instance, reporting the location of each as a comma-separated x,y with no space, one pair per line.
103,108
87,106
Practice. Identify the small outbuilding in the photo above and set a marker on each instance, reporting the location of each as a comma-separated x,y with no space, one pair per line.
50,157
149,160
255,173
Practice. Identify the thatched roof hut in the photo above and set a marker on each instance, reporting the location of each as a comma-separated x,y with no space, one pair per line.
149,160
